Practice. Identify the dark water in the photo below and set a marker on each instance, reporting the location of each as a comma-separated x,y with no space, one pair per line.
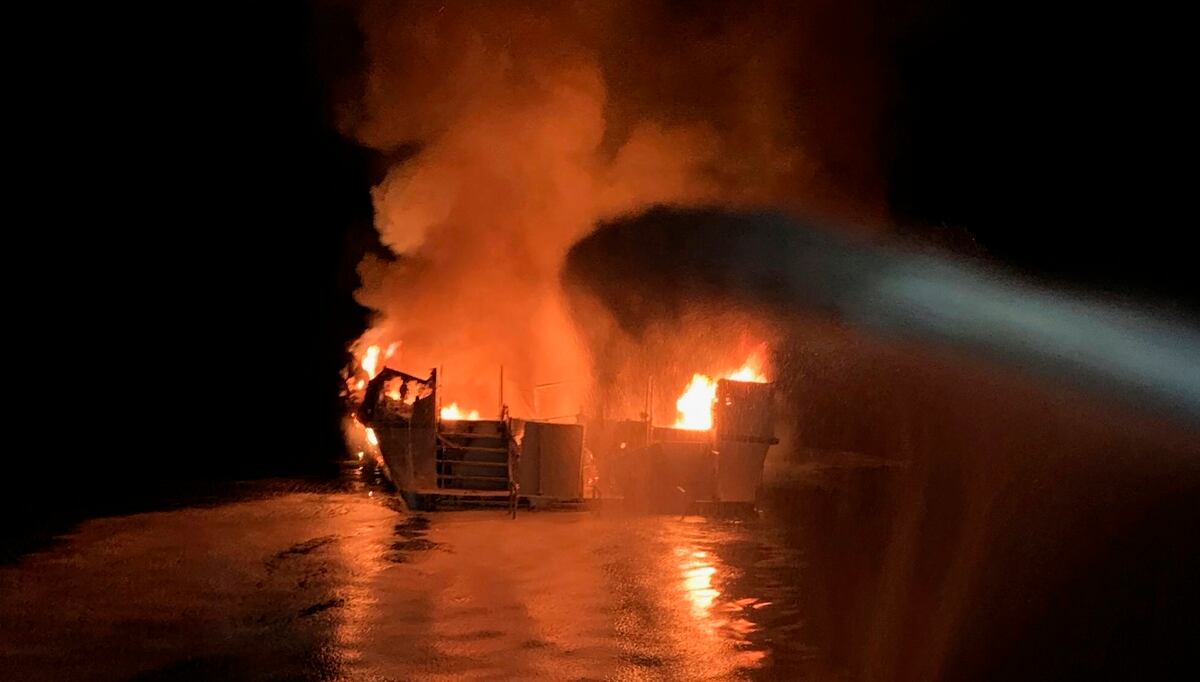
291,581
1017,546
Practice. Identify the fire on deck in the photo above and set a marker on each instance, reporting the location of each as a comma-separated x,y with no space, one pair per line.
434,460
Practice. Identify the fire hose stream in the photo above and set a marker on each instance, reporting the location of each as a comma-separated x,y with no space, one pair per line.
1126,355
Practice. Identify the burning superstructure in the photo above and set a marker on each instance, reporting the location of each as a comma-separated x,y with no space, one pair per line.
712,453
436,454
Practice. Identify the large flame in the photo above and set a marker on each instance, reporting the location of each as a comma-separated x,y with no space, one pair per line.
371,362
695,406
452,412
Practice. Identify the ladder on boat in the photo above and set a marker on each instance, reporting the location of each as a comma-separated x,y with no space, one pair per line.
477,457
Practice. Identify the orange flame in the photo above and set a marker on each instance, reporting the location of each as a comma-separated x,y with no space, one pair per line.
452,412
695,406
370,361
371,436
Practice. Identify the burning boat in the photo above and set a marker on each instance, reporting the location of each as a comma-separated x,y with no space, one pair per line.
437,456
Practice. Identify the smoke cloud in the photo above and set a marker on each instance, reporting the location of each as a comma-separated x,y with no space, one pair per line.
533,121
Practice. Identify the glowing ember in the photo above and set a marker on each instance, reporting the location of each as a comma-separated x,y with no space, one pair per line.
370,361
452,413
695,405
371,436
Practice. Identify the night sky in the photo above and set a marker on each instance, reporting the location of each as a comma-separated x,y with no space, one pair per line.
202,217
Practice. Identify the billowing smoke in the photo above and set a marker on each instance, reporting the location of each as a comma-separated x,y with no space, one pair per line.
532,121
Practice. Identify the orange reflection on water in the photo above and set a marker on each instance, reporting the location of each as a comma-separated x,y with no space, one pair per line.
698,574
726,618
